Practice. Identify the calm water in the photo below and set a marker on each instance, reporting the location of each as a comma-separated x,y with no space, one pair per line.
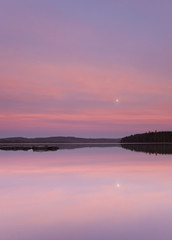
92,193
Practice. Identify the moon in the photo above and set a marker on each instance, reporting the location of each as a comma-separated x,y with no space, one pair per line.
117,100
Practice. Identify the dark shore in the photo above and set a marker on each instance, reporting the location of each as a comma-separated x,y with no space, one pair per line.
37,147
27,147
54,143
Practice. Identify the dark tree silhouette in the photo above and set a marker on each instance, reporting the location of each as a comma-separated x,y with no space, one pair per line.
150,137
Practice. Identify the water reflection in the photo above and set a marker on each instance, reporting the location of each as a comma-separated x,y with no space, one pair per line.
84,194
149,148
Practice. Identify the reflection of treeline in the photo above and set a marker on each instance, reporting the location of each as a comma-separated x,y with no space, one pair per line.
149,148
149,137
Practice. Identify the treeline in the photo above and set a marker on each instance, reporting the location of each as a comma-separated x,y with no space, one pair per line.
149,137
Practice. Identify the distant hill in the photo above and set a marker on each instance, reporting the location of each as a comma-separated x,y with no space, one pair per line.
150,137
58,140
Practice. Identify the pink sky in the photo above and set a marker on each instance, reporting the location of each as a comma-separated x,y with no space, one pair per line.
63,65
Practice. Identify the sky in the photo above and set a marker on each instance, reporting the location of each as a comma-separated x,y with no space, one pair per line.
86,68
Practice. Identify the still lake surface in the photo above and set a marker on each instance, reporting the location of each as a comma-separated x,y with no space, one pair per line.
89,193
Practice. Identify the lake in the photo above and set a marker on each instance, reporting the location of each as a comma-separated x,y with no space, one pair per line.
87,193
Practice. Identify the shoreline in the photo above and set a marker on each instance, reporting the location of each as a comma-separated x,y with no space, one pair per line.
44,147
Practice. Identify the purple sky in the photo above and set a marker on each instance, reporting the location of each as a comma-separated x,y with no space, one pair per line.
64,64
